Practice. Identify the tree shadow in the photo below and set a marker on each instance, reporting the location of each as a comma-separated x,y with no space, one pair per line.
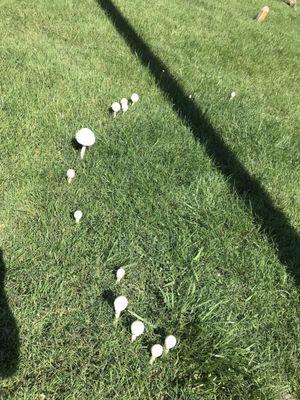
9,332
273,222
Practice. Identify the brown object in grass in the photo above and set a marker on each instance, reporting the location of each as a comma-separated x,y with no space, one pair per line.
291,3
287,396
262,14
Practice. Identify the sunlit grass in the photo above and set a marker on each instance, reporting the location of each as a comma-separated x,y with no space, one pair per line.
197,265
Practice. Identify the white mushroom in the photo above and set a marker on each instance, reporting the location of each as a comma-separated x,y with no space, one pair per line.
137,329
78,216
135,98
124,107
232,95
156,351
86,138
170,342
116,108
124,104
120,304
70,175
120,274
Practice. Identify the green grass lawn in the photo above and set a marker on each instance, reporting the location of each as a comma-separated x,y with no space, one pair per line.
202,261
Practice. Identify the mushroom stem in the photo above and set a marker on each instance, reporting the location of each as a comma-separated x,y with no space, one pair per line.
70,179
117,318
133,337
82,152
152,359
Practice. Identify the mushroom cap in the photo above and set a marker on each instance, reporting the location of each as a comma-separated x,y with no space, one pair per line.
85,137
70,173
124,101
135,97
156,350
116,107
120,303
137,328
170,342
78,214
120,273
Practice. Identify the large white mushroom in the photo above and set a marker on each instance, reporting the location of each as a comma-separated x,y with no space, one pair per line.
86,138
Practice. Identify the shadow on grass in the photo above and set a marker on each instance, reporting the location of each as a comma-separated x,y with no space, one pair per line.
272,220
9,333
75,144
109,297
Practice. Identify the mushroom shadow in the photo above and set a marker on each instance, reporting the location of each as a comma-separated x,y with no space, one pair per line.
114,270
9,332
75,144
161,333
127,320
110,111
272,221
109,296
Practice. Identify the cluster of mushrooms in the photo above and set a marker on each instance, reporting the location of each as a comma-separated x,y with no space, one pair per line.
138,327
86,138
116,107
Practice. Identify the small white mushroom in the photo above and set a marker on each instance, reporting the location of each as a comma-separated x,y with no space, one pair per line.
170,342
135,98
120,274
124,101
78,216
156,351
232,95
120,304
86,138
124,107
116,108
137,329
70,175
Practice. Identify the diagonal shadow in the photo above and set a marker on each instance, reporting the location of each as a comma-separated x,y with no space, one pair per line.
9,333
271,219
